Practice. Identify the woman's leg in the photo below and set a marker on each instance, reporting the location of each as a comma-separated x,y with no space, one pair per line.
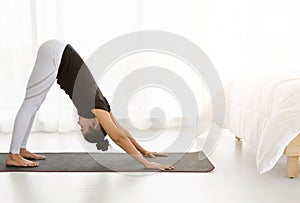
24,142
40,81
23,123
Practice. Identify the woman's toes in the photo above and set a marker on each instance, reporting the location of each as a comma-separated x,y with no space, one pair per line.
35,164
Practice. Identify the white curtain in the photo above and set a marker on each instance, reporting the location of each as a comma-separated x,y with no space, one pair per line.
238,36
26,24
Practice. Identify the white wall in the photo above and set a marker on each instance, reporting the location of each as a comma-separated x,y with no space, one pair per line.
238,36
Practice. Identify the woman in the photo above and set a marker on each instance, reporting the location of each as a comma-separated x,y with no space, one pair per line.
58,60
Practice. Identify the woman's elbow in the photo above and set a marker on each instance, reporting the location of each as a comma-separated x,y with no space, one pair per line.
120,138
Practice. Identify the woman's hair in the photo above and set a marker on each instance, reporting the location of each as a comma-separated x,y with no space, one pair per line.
98,137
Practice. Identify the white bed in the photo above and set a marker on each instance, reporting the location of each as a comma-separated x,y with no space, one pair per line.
265,112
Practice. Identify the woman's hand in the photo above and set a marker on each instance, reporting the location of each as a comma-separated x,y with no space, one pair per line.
162,167
153,165
154,154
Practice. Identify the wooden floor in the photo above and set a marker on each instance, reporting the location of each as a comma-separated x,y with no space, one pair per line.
235,178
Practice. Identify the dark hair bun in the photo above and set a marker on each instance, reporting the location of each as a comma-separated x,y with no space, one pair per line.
98,137
103,145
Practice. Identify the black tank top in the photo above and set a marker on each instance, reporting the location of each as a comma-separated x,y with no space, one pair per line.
75,78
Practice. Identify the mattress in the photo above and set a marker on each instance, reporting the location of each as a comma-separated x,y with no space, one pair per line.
265,112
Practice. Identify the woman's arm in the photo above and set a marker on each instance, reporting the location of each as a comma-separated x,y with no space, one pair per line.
123,141
134,142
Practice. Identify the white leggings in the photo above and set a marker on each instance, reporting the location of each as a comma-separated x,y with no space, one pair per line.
41,79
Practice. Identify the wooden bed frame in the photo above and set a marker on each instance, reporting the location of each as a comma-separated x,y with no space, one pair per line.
292,151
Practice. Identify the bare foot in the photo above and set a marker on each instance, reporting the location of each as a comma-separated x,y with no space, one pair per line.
19,161
28,155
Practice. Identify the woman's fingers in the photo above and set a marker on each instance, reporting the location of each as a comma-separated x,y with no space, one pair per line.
162,166
149,154
166,167
153,154
159,154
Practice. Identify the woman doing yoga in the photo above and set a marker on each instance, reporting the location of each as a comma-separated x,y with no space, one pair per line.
58,60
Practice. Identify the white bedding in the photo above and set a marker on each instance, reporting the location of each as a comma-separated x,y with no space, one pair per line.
265,112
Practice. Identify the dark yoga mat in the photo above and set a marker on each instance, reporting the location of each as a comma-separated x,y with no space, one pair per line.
120,162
